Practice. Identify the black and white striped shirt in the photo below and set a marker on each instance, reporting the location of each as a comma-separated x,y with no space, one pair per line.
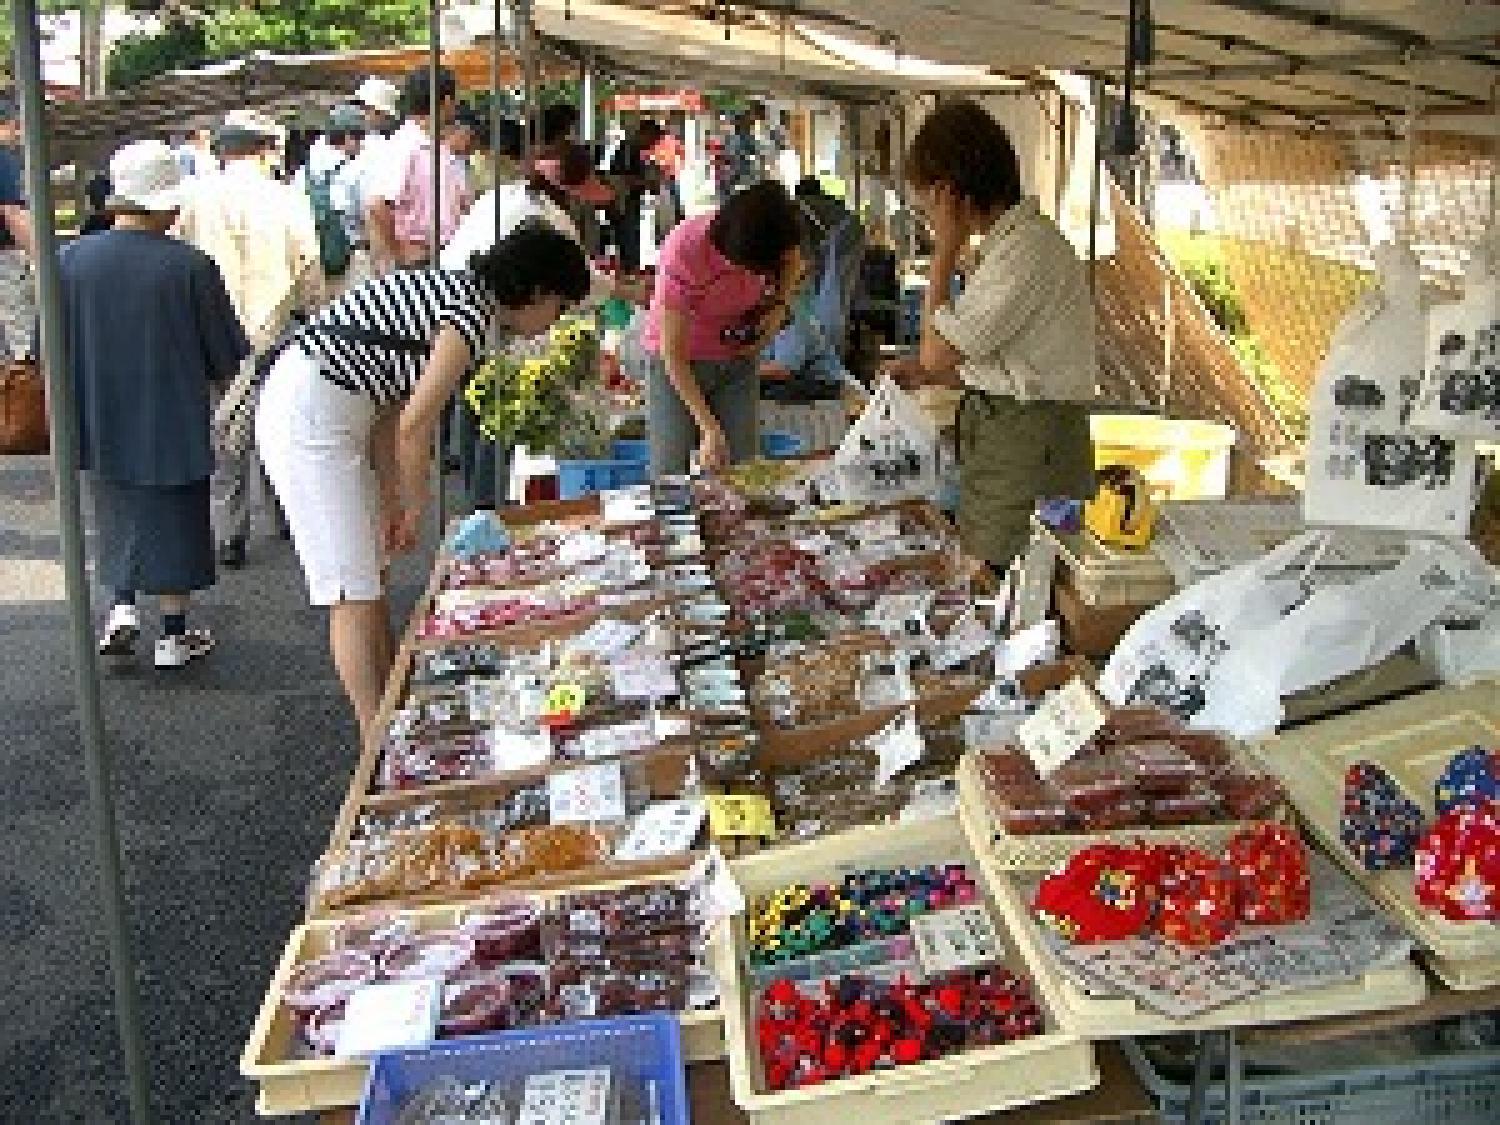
408,306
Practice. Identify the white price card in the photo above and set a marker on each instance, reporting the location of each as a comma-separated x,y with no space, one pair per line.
512,750
1039,644
902,616
644,676
898,747
605,638
587,795
966,640
716,892
567,1097
1066,720
664,828
582,547
389,1017
961,938
617,741
627,505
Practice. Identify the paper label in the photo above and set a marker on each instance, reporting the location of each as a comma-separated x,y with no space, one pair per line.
389,1016
1033,594
966,640
1003,697
731,816
582,547
1065,721
646,676
627,505
1039,644
897,747
716,892
664,828
902,616
587,795
672,726
512,750
566,1097
961,938
605,638
617,741
817,544
566,699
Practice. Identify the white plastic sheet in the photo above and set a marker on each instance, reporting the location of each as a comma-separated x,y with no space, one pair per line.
891,453
1461,380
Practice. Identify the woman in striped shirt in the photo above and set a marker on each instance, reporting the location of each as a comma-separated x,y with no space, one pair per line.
349,411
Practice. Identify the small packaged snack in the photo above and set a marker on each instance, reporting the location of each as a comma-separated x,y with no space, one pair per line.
1211,751
437,954
326,982
1089,784
1007,766
579,992
475,1004
1028,808
1196,805
1129,812
1138,724
623,913
504,932
1247,794
1160,767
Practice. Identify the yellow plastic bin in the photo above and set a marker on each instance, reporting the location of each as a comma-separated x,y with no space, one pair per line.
1189,459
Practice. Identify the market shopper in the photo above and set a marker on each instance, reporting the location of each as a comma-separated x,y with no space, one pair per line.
633,174
17,293
260,233
143,355
350,409
724,285
1019,340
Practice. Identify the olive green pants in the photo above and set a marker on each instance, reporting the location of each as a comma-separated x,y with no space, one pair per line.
1012,454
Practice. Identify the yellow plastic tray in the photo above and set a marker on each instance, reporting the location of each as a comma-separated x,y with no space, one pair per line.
1116,1016
1412,739
1050,1065
1043,851
1466,976
296,1085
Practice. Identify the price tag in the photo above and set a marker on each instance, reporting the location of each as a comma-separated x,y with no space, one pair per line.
1067,718
961,938
605,638
817,544
897,747
566,1097
1036,645
716,892
566,699
627,505
582,547
902,616
734,816
618,741
645,676
512,751
673,726
389,1016
966,640
663,828
587,795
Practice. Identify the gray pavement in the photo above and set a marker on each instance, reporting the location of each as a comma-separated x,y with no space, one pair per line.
228,775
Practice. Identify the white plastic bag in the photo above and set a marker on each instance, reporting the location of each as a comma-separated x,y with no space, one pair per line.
1461,379
1223,653
891,453
1366,465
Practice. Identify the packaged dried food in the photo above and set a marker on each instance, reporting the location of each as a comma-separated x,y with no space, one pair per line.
1211,751
429,956
1129,812
1196,805
1028,808
1087,784
504,932
1138,724
580,993
473,1005
1161,768
327,982
1248,795
1008,765
624,912
321,1029
372,933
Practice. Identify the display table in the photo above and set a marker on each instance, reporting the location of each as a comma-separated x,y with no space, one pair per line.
1119,1099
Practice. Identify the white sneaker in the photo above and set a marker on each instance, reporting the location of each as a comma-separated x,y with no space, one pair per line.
177,652
120,632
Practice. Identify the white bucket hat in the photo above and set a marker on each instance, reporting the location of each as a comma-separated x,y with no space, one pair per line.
380,94
146,177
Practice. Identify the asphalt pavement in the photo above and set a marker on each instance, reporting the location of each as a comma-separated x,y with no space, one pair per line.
227,775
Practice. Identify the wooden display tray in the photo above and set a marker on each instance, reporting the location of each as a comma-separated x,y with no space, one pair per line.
1412,739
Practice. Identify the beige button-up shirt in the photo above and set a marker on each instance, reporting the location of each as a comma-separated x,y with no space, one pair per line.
1025,320
260,232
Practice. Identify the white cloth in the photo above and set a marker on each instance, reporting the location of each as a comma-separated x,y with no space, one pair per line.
314,439
385,174
476,230
1025,320
322,157
261,235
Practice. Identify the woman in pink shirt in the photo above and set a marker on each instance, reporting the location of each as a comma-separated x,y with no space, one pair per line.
723,284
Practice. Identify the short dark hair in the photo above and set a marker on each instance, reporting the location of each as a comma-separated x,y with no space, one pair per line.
416,91
511,138
809,187
650,130
962,146
533,261
558,121
234,144
756,227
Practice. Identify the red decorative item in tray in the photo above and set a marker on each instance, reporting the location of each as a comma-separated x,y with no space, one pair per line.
1271,867
1458,865
1106,892
1198,901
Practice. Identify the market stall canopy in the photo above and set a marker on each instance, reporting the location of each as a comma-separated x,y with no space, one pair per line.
182,99
1293,61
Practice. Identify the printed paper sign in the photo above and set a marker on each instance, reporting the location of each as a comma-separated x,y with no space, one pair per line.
388,1017
512,750
605,638
566,1097
898,747
1039,644
587,795
1065,721
961,938
646,676
664,828
730,816
966,640
582,547
627,505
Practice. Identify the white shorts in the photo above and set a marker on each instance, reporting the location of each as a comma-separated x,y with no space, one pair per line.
314,439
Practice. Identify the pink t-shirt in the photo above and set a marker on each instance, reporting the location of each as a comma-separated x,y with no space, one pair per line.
717,295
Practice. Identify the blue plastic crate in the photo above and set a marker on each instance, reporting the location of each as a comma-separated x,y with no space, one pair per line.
576,479
778,443
636,450
1462,1088
645,1048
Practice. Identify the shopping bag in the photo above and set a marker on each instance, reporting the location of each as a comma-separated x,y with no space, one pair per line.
1223,653
23,408
1367,466
1460,395
891,452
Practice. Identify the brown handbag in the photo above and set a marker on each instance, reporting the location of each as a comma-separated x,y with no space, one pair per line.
23,408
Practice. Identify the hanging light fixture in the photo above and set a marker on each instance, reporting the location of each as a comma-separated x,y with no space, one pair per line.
1139,48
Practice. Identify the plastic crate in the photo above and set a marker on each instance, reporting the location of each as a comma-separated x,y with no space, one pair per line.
1457,1089
635,450
576,479
777,443
644,1048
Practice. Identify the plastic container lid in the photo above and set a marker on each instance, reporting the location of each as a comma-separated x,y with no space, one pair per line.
327,982
431,956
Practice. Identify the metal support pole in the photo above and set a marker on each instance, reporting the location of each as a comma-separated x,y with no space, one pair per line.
97,764
435,234
497,42
527,39
855,152
588,98
1203,1066
1096,94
